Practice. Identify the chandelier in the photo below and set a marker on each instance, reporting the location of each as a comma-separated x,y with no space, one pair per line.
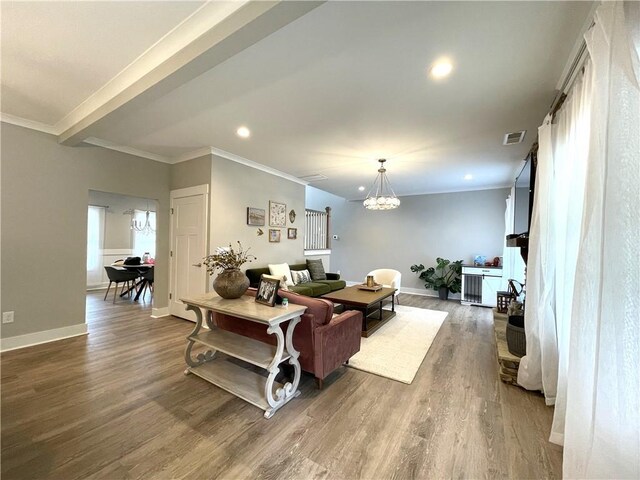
144,228
381,196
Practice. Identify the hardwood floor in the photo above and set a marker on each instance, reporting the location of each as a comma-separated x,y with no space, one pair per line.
115,404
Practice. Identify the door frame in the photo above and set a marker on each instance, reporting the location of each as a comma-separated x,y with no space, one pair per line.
181,193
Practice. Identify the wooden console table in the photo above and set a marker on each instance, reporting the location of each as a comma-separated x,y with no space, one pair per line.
263,392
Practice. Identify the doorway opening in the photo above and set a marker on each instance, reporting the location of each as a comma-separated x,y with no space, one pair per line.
119,227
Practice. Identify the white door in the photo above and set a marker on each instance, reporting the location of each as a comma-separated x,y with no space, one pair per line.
188,276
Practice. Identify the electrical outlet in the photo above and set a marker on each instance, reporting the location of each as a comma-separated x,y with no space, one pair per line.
7,317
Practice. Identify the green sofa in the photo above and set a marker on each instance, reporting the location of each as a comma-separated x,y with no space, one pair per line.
315,288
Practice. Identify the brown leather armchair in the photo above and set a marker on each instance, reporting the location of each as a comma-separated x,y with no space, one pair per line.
325,342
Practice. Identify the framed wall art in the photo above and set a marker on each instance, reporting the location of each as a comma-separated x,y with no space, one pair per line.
292,233
274,235
277,214
255,216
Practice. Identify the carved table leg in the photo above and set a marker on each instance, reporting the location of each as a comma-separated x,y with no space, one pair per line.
290,389
201,357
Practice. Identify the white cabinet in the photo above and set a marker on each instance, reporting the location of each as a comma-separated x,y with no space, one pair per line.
480,285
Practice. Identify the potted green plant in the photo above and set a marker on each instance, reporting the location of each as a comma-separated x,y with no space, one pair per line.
231,282
445,277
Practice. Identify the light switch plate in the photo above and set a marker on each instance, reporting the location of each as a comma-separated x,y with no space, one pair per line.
7,317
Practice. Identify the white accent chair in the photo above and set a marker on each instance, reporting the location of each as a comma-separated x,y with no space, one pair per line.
388,278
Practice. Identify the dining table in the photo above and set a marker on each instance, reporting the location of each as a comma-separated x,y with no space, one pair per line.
141,283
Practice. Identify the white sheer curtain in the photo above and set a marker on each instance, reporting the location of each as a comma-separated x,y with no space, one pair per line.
582,313
95,243
571,140
539,367
602,426
512,262
554,243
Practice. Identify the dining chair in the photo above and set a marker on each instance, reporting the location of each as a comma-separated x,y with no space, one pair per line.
148,277
119,275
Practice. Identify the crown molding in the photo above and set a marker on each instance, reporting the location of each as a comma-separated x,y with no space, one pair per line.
30,124
249,163
98,142
185,157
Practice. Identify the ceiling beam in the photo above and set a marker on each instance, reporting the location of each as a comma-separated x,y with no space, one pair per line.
219,41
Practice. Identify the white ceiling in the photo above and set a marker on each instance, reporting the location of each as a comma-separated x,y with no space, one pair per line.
334,90
57,54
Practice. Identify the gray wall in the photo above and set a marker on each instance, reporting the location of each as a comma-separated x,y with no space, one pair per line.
456,226
234,187
45,193
191,173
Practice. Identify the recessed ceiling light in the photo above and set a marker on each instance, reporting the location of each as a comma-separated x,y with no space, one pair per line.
243,132
468,176
361,188
441,69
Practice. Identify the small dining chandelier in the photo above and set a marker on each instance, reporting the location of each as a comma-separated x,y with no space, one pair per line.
144,228
381,196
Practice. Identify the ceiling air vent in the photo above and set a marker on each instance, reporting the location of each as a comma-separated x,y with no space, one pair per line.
514,138
316,177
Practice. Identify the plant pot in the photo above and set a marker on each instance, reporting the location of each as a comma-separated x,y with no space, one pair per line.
231,283
516,337
443,293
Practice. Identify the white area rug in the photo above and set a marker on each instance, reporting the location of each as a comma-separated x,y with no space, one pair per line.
397,349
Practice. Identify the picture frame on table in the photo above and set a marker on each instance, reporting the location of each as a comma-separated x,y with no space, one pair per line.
292,233
274,235
267,291
277,214
255,216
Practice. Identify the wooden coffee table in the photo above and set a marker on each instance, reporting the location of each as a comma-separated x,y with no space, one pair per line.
369,303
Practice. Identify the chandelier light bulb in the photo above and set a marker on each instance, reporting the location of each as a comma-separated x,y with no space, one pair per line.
381,196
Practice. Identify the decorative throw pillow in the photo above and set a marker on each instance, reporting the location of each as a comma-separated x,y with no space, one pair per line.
281,270
316,269
283,281
300,276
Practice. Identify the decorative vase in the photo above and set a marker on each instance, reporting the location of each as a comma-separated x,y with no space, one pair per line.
231,283
443,293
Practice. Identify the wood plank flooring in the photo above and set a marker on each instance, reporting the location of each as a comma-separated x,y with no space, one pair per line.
115,405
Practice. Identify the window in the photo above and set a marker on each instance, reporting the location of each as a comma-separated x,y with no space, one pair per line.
316,234
144,241
95,243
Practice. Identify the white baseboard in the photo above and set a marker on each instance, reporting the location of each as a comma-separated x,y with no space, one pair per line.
423,292
30,339
160,312
416,291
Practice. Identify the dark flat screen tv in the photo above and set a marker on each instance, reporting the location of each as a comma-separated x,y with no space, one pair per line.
524,186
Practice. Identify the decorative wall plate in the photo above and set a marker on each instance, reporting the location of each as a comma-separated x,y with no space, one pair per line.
292,216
